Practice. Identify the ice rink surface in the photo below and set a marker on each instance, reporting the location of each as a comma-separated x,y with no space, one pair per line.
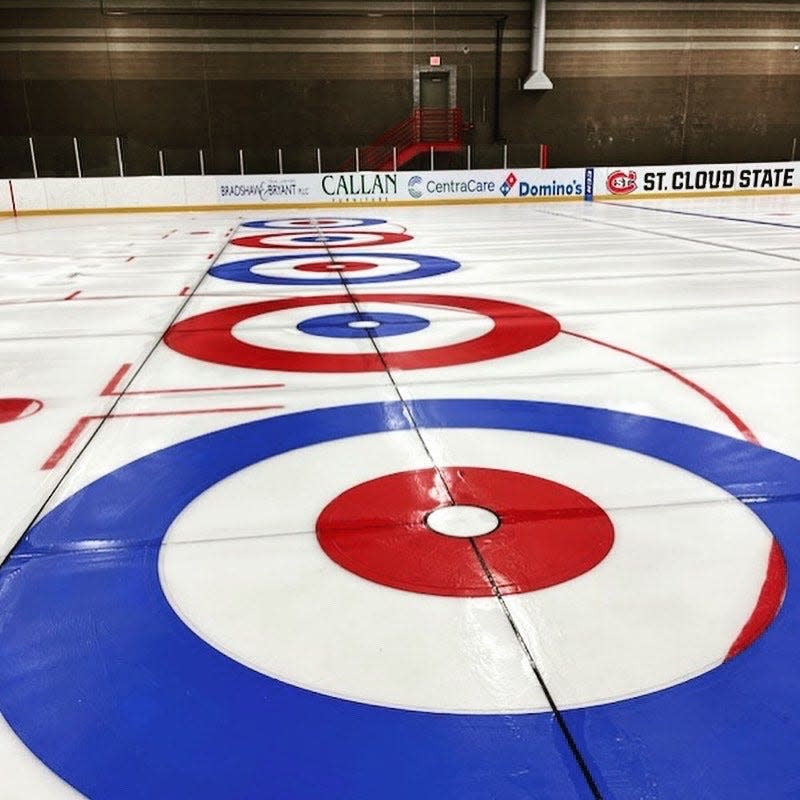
460,501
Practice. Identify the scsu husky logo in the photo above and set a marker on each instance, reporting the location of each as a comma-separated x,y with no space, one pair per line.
621,182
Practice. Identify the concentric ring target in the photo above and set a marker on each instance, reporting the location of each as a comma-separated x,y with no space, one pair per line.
243,271
158,712
306,240
209,337
313,223
363,326
561,534
334,266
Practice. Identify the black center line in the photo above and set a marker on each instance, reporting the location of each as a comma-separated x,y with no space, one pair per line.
496,591
118,399
379,353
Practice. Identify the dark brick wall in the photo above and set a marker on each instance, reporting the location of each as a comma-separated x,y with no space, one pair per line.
632,85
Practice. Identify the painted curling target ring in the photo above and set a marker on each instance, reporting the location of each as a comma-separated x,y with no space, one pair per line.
326,223
360,325
209,337
107,708
545,534
243,271
306,240
14,408
335,266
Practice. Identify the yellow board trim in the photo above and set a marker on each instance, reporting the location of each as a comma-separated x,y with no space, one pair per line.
393,203
278,206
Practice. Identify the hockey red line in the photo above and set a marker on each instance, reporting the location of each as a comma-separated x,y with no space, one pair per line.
773,589
769,602
738,423
73,295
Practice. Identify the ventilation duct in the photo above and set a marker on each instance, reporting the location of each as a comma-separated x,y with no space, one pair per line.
537,79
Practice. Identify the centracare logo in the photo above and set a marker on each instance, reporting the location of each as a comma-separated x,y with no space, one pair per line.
621,182
414,185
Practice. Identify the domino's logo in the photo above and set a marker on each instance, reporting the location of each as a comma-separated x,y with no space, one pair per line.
508,184
414,185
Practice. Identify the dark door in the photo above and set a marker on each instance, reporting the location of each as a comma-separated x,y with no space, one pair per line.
434,102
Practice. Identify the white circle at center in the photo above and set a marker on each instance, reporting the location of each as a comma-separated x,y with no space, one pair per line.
462,521
363,323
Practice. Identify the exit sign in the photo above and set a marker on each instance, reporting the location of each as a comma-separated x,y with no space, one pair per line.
436,61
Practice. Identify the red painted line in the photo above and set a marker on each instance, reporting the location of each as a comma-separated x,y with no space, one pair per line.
192,412
169,233
73,295
130,258
66,444
111,387
183,292
210,256
85,298
715,401
769,602
208,389
69,440
773,589
13,200
30,302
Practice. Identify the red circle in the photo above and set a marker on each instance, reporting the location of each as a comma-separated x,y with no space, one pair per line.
335,266
378,238
13,408
311,223
209,337
548,533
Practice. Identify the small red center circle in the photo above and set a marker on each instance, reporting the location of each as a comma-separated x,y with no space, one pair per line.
548,533
335,266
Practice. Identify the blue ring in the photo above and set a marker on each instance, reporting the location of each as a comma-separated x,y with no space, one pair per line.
108,687
321,238
242,271
338,326
358,222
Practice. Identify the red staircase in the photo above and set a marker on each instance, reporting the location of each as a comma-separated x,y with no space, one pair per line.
439,128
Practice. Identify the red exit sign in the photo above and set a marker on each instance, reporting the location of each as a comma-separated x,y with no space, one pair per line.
436,61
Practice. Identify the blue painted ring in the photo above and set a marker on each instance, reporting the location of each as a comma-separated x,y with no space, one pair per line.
349,325
242,271
102,680
285,223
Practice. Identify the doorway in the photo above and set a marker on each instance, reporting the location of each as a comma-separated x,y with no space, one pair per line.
434,96
434,90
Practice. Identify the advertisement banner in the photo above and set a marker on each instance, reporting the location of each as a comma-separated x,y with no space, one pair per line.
495,184
376,187
266,189
623,182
